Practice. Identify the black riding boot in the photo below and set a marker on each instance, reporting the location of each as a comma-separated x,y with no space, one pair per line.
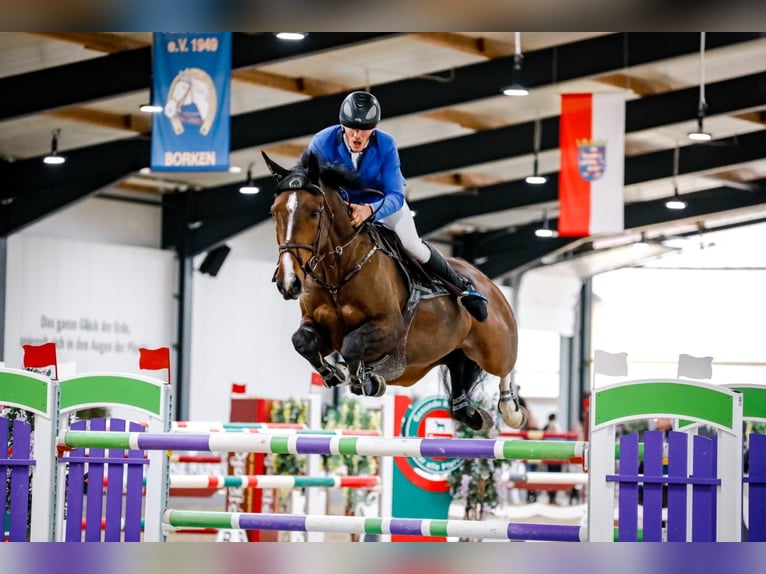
473,301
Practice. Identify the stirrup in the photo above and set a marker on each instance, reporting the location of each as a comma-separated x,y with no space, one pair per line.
471,294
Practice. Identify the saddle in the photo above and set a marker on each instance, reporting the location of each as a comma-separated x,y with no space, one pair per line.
420,284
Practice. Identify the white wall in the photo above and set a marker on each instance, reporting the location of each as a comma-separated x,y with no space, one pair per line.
656,314
98,302
241,332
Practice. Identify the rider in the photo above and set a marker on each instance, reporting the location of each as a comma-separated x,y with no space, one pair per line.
373,154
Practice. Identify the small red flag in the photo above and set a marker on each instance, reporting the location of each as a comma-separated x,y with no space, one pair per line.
316,380
39,356
154,359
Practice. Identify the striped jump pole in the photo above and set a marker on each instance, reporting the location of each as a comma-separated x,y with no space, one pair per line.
272,481
490,529
540,434
216,481
281,431
549,478
205,426
333,445
196,458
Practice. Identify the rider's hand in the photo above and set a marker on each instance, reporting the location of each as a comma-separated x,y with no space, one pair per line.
360,212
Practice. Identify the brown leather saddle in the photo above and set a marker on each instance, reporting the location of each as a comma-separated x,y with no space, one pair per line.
420,285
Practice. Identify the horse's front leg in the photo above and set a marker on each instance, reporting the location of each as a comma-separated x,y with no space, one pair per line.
307,342
371,340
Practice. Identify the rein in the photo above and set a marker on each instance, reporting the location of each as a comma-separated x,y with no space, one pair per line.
310,266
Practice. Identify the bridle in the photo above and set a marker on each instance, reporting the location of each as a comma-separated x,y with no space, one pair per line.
310,267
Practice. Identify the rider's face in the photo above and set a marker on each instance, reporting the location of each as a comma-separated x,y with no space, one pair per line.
356,140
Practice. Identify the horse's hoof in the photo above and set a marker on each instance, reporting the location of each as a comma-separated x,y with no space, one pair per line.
356,389
373,385
487,422
514,418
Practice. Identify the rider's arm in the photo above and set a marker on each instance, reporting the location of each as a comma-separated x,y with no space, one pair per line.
393,183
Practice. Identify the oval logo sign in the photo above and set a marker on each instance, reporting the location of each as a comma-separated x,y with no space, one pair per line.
430,418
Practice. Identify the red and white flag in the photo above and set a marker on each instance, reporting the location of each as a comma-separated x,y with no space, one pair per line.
592,142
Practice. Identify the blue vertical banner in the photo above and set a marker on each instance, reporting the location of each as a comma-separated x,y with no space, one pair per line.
191,80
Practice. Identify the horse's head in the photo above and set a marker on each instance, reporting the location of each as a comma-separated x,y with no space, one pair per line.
297,211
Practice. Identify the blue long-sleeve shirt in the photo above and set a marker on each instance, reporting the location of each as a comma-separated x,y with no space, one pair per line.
378,167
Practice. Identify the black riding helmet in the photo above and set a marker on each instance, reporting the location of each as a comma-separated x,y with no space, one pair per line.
360,111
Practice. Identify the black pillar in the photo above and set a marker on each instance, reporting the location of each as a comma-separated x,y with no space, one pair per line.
3,291
183,341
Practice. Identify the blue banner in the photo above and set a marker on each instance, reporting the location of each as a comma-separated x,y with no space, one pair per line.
192,74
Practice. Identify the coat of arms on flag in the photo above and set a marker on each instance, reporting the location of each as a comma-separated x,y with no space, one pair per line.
591,159
592,143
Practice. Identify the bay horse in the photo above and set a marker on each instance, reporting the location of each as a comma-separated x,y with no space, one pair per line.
359,325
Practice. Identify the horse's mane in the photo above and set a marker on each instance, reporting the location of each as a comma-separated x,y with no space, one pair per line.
333,175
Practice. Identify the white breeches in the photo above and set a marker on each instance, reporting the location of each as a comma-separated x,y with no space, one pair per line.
403,224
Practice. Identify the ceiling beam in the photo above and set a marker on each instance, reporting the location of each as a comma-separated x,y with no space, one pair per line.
97,41
301,85
26,177
512,250
479,46
129,71
275,124
269,126
437,212
138,122
639,86
57,192
224,212
467,120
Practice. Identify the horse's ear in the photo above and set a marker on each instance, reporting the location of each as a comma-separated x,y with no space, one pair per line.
276,170
313,168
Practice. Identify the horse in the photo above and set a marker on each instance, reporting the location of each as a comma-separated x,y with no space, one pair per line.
191,100
358,323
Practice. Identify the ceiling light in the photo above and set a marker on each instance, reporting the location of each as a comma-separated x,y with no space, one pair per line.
536,178
249,188
545,230
675,202
53,158
292,36
517,87
235,169
150,108
641,243
700,135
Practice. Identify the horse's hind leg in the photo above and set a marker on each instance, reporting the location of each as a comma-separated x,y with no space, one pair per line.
514,415
464,375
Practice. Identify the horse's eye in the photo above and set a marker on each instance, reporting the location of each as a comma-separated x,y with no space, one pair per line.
314,214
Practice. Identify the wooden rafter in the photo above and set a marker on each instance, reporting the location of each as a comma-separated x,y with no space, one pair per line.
465,119
97,41
481,46
302,85
463,179
758,116
138,122
286,150
638,86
